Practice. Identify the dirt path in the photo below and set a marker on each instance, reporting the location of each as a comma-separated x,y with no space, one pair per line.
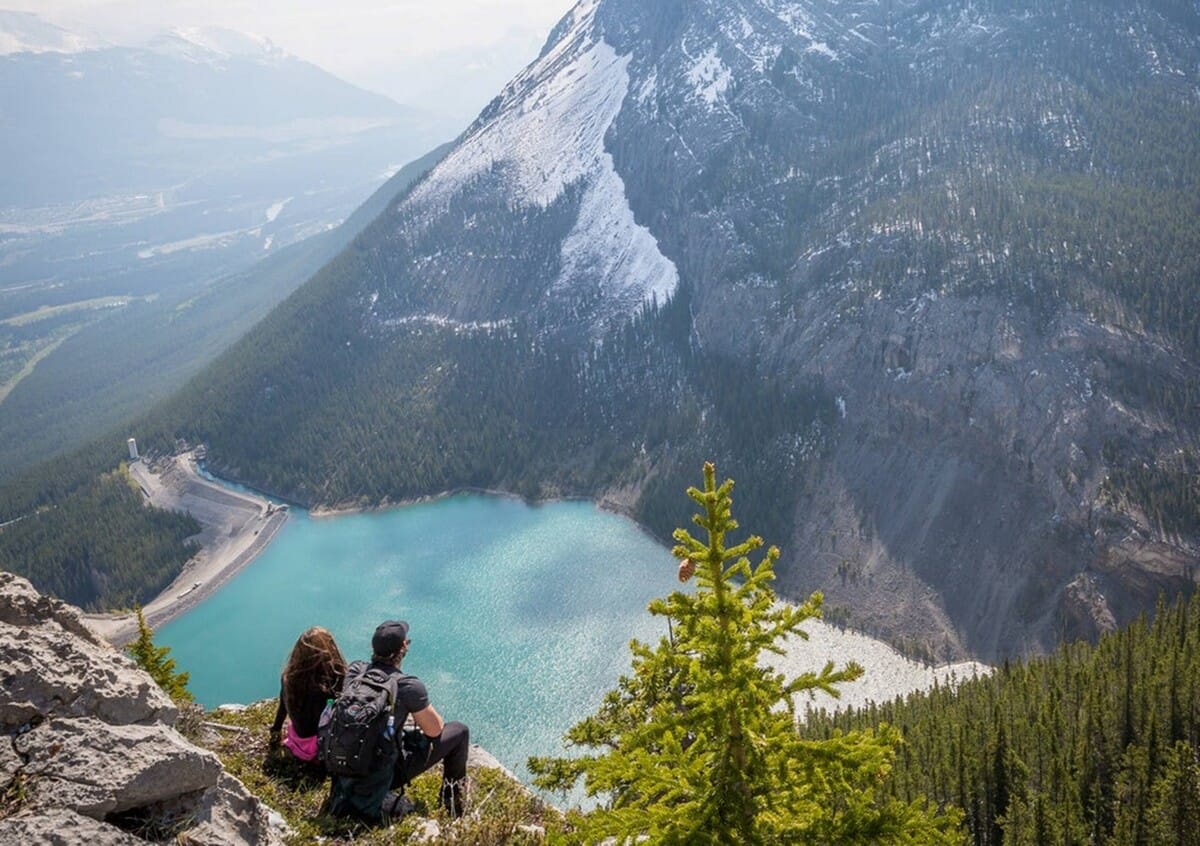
236,527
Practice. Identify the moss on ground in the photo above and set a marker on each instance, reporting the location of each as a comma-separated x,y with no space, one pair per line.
500,811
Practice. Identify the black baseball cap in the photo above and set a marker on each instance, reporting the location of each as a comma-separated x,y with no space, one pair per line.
389,637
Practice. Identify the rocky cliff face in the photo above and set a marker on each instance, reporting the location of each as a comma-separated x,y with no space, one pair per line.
887,197
931,266
88,749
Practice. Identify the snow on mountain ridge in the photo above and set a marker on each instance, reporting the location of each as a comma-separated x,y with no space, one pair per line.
607,242
549,143
215,44
710,77
229,42
22,32
796,15
547,133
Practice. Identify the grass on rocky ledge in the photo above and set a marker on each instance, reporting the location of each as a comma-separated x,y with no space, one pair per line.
499,808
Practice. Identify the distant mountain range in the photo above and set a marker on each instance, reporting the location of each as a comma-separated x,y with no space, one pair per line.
138,175
921,275
205,147
188,107
24,32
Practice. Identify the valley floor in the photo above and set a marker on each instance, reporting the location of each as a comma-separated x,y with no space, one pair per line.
236,528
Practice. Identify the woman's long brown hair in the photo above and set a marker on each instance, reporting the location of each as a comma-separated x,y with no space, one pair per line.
315,665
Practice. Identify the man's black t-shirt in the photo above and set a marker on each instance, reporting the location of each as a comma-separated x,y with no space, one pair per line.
411,696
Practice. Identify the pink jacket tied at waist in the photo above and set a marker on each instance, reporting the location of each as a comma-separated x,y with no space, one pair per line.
304,748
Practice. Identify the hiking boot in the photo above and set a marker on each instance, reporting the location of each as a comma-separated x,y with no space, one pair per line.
453,797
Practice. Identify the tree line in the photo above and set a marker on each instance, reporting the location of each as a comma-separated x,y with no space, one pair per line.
97,546
1096,744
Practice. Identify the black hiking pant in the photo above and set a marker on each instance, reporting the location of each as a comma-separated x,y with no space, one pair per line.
367,797
421,753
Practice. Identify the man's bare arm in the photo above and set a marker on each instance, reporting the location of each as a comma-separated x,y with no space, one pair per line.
428,721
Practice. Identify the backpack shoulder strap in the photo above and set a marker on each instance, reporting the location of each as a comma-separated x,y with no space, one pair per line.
383,678
392,685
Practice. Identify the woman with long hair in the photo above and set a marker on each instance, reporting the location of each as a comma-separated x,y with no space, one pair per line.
312,676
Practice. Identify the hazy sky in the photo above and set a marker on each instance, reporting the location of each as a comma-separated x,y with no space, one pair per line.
448,55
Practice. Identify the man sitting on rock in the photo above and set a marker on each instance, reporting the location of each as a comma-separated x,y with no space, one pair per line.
433,740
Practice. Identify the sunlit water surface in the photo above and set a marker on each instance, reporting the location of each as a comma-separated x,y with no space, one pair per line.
521,616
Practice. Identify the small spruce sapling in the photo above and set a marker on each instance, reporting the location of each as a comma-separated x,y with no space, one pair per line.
699,745
155,661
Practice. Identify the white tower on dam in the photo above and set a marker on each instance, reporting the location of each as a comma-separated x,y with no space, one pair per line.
133,453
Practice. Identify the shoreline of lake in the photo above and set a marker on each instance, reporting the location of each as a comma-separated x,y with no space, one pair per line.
236,527
226,551
604,503
224,557
608,503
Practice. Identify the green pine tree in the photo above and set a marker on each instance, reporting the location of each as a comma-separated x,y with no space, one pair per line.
155,661
699,745
1175,807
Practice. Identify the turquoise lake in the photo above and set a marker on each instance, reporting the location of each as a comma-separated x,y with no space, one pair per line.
521,615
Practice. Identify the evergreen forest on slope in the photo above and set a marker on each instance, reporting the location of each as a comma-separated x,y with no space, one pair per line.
122,365
95,544
1095,744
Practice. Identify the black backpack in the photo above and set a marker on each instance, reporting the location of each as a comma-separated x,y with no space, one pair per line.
359,737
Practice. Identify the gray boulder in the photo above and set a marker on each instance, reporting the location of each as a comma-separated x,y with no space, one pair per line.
225,813
97,769
22,606
62,827
92,737
51,663
9,762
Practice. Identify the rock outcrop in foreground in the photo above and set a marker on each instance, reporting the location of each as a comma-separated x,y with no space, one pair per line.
89,752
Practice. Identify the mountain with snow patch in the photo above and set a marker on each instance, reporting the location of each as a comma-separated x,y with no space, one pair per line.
23,32
209,43
919,274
